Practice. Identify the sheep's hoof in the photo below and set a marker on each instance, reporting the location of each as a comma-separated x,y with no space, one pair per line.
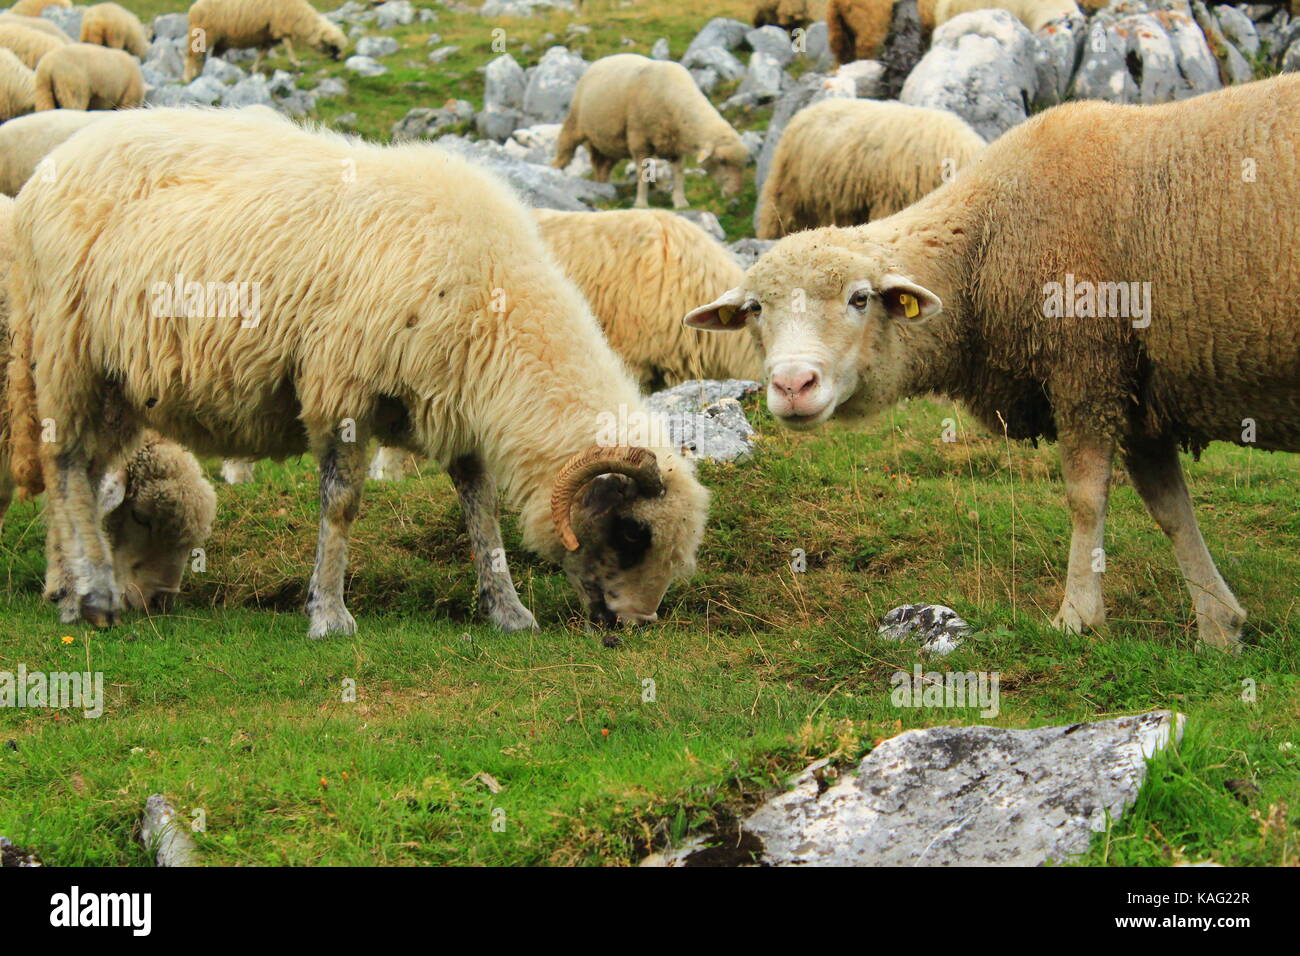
333,620
1071,620
97,609
517,618
1220,635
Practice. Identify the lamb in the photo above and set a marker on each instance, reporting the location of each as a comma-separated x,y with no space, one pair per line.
33,8
17,89
1149,315
25,141
641,270
1035,14
83,76
788,14
629,105
842,162
111,25
398,292
218,25
155,508
27,44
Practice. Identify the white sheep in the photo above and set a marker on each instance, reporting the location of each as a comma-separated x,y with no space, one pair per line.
398,292
33,8
1142,317
218,25
40,24
25,141
27,44
843,162
85,76
155,507
17,89
1035,14
111,25
629,105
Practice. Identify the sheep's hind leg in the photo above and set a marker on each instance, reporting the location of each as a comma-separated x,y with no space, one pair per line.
643,174
1086,465
342,476
236,471
288,51
679,185
1158,477
497,597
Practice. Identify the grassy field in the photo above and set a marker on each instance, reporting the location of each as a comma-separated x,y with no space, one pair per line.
466,746
228,708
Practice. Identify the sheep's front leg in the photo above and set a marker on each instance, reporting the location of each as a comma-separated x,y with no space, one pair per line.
342,476
1158,477
497,597
257,60
1086,465
288,51
679,185
87,560
643,174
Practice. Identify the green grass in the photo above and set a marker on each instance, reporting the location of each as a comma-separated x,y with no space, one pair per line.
226,706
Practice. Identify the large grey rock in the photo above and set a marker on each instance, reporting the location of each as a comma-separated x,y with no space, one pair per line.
963,796
1234,68
717,59
503,84
536,144
67,19
331,86
377,46
660,50
719,32
1139,54
394,13
903,49
705,419
814,44
1057,57
934,627
423,122
521,8
538,185
365,66
222,71
250,91
1291,59
550,86
773,41
1239,29
166,57
171,26
206,90
763,82
981,67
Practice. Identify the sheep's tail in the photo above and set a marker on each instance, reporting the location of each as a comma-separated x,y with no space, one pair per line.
24,425
567,144
45,99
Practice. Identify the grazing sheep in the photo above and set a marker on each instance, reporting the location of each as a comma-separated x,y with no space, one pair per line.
27,44
83,76
39,24
155,508
1018,288
219,25
33,8
17,89
629,105
788,14
843,162
114,26
1035,14
394,292
27,140
857,29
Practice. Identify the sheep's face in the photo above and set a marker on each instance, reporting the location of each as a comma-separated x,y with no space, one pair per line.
833,324
330,40
148,571
726,164
631,544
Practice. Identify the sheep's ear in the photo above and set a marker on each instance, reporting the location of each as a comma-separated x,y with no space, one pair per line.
908,301
112,492
703,155
724,315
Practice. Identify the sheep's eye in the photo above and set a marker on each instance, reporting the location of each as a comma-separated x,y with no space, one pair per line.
753,308
860,299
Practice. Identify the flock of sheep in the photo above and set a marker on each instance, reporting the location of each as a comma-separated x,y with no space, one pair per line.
406,296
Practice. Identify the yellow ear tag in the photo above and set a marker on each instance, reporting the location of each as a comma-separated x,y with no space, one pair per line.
911,308
725,314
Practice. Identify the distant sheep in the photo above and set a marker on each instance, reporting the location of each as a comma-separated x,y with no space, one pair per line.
27,44
110,25
628,105
17,89
83,76
40,24
1134,320
788,14
218,25
33,8
843,162
1034,14
413,302
25,141
155,508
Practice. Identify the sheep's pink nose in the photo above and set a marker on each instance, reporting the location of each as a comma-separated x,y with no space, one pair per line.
796,383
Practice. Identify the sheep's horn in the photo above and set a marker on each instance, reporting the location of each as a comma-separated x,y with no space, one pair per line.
639,464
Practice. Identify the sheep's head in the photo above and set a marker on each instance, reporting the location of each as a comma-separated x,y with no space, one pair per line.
329,39
834,324
629,522
725,161
155,510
